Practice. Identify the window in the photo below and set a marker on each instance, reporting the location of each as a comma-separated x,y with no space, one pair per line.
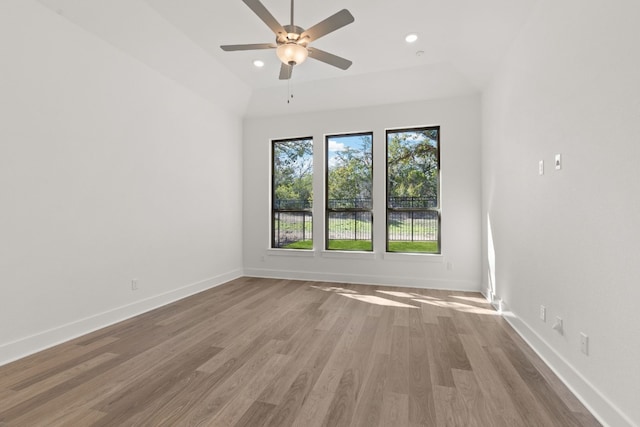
349,169
413,190
292,193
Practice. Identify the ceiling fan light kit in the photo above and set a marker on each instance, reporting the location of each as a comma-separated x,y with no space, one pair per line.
292,53
292,41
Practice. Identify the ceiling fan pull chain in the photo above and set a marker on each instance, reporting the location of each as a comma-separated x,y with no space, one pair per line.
289,94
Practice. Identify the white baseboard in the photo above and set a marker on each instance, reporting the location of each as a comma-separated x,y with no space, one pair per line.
37,342
363,279
602,408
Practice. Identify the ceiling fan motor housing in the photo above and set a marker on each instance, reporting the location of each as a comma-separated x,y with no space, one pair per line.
292,34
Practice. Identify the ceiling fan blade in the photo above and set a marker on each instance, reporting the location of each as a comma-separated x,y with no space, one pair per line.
332,23
255,46
285,71
262,12
329,58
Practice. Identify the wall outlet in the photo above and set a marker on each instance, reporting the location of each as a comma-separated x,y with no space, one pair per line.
543,313
557,326
584,343
134,284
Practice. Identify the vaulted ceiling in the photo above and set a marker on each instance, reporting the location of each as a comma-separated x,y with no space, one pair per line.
462,42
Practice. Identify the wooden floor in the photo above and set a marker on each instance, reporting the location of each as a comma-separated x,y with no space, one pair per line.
257,352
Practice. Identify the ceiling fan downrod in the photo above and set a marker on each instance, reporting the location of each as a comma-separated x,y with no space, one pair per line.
292,13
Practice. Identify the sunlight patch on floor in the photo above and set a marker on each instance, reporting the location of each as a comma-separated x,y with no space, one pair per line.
371,299
414,297
399,294
465,308
334,289
478,300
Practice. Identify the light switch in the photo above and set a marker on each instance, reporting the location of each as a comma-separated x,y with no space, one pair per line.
558,162
541,167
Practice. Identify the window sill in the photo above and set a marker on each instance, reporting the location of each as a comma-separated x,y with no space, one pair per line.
412,257
348,254
309,253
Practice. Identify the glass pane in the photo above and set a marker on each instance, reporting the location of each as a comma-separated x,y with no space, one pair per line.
292,196
350,231
413,231
349,190
413,198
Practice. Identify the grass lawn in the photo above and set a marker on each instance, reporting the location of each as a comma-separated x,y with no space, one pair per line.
420,247
365,245
341,245
351,245
300,244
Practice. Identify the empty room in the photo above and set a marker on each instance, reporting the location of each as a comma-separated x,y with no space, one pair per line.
319,213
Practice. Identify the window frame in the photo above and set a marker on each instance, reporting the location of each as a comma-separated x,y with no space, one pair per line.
437,208
305,210
327,208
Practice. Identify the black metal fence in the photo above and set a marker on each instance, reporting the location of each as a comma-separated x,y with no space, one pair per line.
412,226
412,202
351,225
292,205
344,204
410,219
291,226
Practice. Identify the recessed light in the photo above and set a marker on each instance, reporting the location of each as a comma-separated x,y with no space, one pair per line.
411,38
258,63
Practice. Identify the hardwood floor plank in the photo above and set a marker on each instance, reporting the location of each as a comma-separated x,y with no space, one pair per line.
525,402
347,394
451,410
421,397
383,340
316,353
38,388
120,406
318,401
28,371
395,409
246,398
343,403
438,356
181,398
502,407
275,352
220,396
256,416
110,377
84,418
399,369
474,401
368,410
454,350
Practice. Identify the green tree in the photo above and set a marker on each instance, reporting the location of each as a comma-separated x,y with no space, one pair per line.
350,174
413,164
293,170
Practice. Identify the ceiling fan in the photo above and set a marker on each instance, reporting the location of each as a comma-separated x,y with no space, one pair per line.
292,42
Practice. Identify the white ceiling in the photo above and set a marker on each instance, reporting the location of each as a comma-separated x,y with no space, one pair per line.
462,40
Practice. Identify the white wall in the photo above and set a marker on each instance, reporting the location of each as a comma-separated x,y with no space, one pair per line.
569,239
109,171
459,119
